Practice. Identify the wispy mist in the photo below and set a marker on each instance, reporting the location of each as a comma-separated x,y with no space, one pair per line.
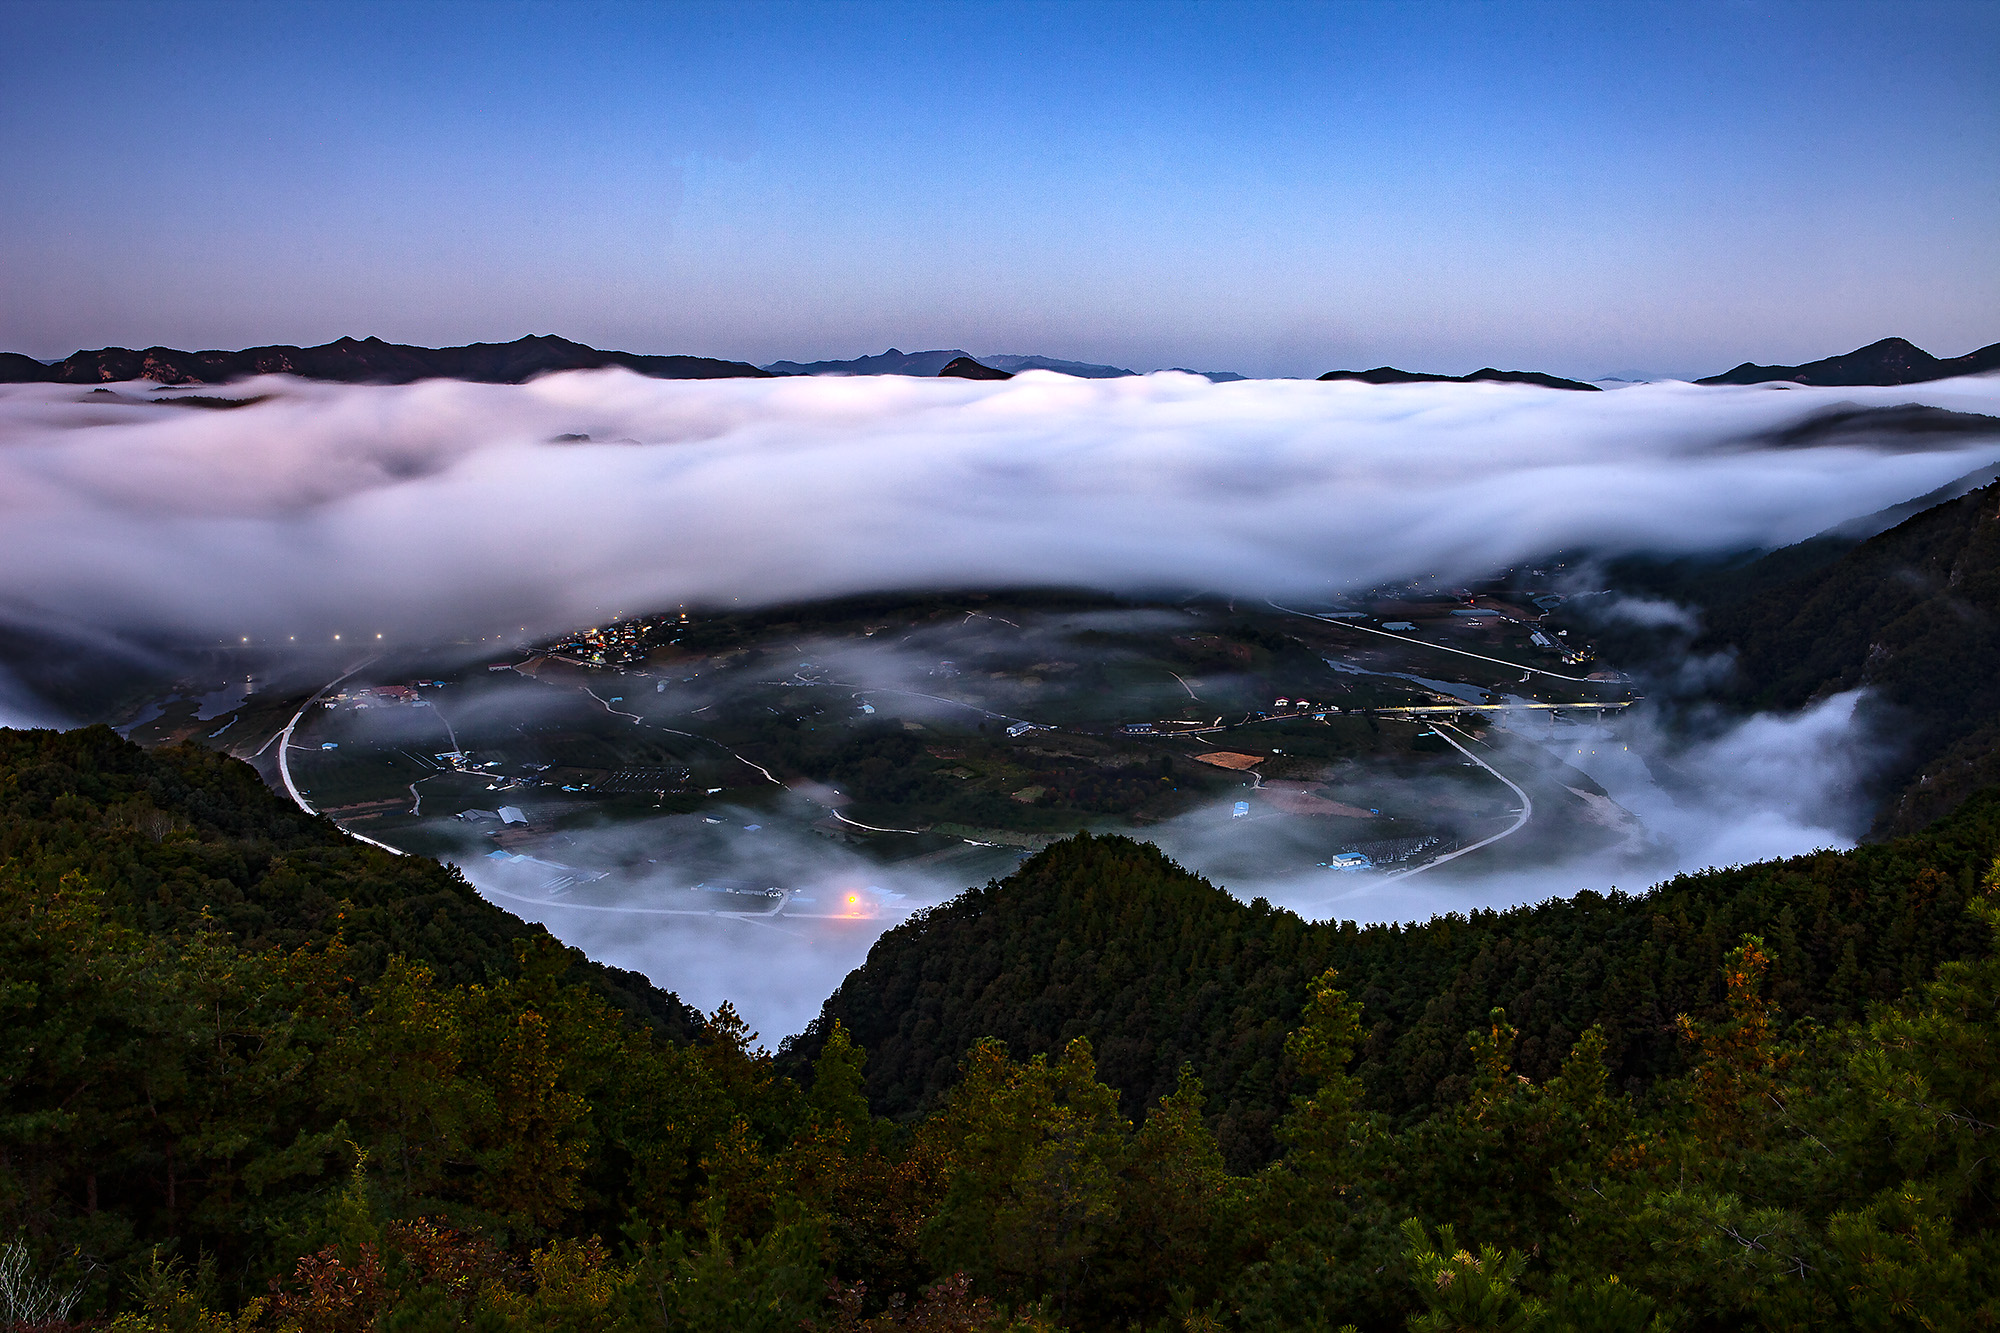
776,970
1742,790
445,508
1737,790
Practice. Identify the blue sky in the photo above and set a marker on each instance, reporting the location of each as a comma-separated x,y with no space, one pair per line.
1275,189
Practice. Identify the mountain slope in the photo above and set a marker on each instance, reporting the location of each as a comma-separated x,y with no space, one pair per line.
370,361
1107,938
965,368
1890,361
1080,369
1913,614
18,369
181,838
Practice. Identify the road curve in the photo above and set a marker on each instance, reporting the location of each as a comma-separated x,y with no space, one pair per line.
1526,813
285,760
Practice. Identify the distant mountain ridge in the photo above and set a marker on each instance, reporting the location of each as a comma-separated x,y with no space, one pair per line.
1081,369
932,363
363,361
1890,361
892,362
1391,375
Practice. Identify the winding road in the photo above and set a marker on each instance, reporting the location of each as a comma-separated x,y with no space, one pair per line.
1526,812
284,739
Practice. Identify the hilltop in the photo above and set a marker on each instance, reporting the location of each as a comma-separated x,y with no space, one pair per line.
363,361
1391,375
1890,361
1107,938
180,838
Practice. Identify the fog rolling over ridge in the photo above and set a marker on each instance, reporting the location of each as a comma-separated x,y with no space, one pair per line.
1767,786
443,511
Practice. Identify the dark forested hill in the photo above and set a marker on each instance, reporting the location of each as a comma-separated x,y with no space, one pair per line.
365,361
181,838
1913,614
203,1133
1890,361
965,368
1391,375
1107,938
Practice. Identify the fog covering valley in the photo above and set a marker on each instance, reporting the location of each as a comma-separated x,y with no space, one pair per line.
183,568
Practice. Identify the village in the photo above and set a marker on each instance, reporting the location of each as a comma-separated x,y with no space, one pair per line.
960,732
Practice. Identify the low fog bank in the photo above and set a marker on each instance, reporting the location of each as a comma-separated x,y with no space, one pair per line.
444,509
19,707
775,969
1737,790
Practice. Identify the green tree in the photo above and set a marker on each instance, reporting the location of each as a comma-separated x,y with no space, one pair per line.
1174,1202
1034,1151
1463,1292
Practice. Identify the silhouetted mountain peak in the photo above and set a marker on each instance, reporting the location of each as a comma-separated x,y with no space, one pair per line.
1487,375
1887,361
965,368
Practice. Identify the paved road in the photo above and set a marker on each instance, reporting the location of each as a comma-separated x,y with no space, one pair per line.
1438,647
285,759
1526,813
1426,710
285,737
691,735
751,763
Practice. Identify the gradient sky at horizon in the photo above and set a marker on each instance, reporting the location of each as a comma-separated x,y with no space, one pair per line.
1268,188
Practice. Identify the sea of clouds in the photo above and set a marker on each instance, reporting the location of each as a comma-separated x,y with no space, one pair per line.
444,510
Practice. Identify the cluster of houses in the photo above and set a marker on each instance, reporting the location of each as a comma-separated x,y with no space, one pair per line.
618,642
383,696
505,815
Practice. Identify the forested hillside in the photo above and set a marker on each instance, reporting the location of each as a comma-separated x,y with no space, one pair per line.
181,839
1106,938
361,361
258,1081
1914,615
